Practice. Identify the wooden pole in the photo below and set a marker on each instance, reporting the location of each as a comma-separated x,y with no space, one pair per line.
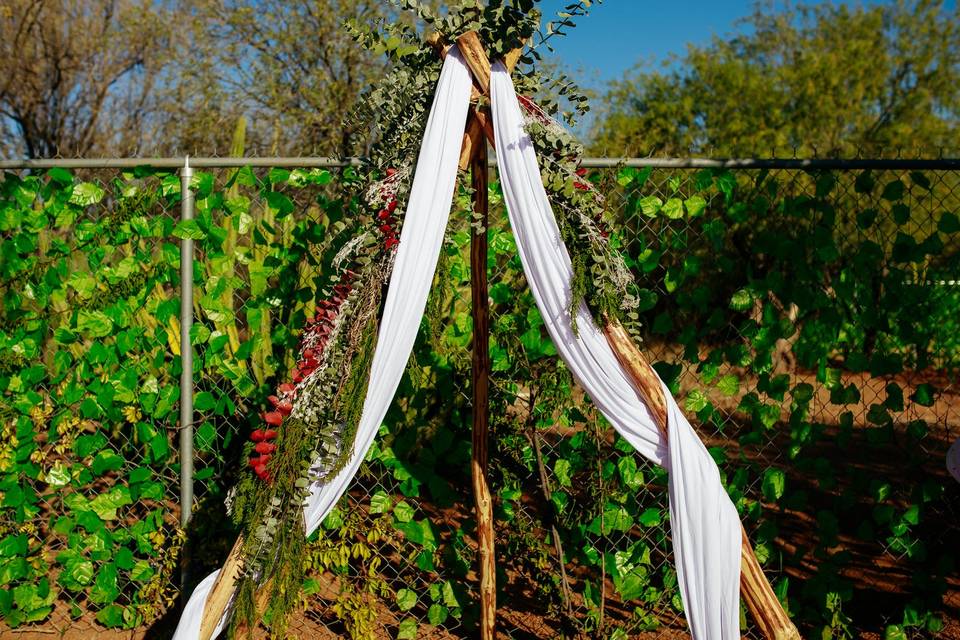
483,503
758,595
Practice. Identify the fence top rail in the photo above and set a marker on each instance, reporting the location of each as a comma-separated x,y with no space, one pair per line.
309,162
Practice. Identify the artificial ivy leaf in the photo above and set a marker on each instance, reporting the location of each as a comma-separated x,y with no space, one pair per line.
106,461
407,629
695,205
742,300
60,175
406,599
729,385
111,616
893,191
650,205
105,505
924,395
403,512
94,324
673,209
86,194
561,469
650,517
380,502
948,223
188,230
631,476
437,614
774,483
142,571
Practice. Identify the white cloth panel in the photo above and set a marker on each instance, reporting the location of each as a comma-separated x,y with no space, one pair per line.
704,523
428,209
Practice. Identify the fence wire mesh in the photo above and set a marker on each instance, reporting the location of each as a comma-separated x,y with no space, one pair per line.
806,320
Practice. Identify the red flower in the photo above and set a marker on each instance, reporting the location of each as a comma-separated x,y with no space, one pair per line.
392,242
286,387
265,447
392,205
384,214
273,418
270,434
258,435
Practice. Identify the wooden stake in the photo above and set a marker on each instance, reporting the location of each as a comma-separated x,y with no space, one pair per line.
219,597
758,595
481,405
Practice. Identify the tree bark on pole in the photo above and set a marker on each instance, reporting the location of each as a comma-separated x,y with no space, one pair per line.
766,610
483,502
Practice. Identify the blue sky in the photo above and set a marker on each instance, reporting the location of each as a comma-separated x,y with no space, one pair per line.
620,33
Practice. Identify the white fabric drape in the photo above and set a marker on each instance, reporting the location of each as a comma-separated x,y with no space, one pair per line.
428,208
704,522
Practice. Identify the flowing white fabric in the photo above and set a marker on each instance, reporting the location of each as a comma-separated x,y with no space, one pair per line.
428,208
704,522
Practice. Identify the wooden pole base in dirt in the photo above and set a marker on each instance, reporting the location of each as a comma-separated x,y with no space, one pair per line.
755,589
223,587
481,406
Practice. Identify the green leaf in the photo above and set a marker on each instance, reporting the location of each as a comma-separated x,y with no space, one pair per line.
631,476
105,586
61,175
948,223
188,230
80,571
58,476
86,194
673,209
204,401
924,395
893,191
105,505
142,571
380,502
650,205
742,300
894,632
729,385
403,512
407,629
106,461
561,469
650,517
406,599
695,206
696,401
111,616
94,324
774,482
437,614
616,519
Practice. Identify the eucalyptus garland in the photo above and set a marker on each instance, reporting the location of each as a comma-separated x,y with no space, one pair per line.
308,433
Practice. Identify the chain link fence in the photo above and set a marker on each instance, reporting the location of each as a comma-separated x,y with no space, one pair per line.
803,315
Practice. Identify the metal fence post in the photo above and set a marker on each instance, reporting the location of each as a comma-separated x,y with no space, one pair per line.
186,360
